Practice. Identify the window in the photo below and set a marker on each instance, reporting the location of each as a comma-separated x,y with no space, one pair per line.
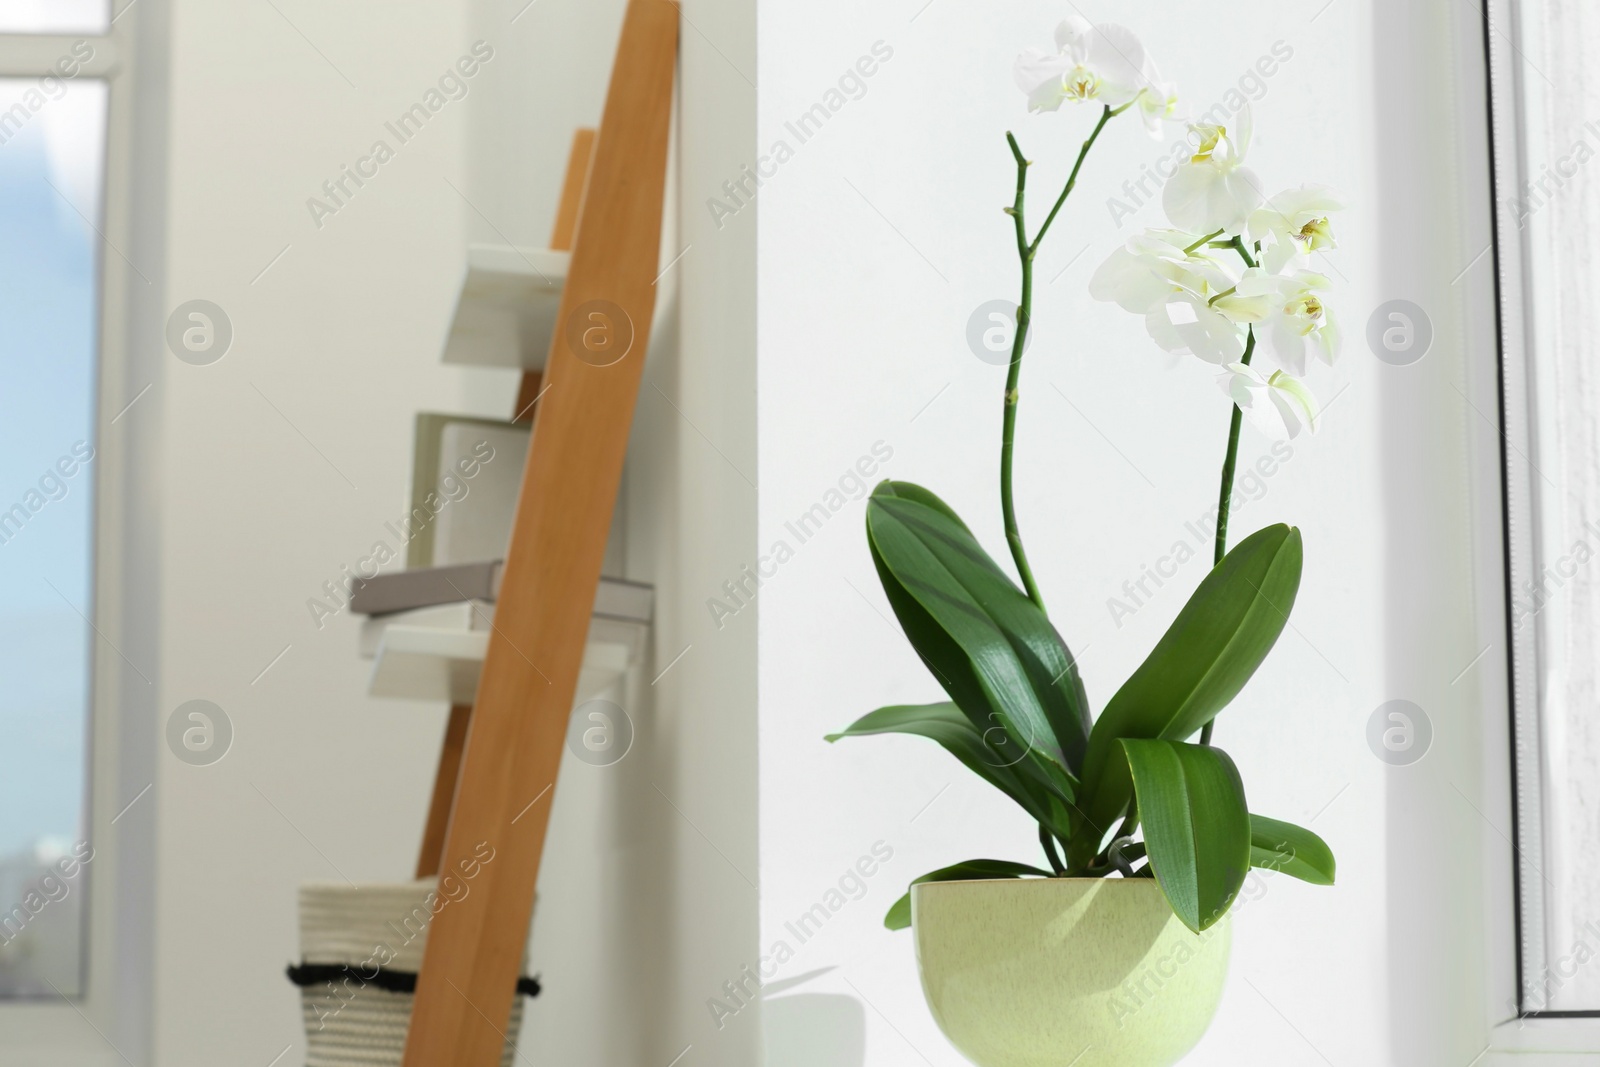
64,91
1547,181
52,150
54,16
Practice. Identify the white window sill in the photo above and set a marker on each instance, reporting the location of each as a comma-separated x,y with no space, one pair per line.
1557,1042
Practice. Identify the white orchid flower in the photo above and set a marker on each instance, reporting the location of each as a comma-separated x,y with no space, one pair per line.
1297,320
1106,64
1276,404
1143,272
1294,224
1214,190
1191,303
1186,323
1158,103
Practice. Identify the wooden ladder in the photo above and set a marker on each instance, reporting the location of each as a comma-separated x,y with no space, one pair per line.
455,731
497,770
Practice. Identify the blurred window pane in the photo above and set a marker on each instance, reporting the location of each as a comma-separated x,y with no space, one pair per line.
51,177
56,16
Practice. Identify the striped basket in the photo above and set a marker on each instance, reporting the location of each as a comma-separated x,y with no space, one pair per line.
360,949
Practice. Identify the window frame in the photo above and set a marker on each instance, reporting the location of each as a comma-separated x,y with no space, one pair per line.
1517,917
112,1022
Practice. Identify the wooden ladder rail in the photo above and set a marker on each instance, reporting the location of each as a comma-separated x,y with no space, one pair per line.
569,487
455,732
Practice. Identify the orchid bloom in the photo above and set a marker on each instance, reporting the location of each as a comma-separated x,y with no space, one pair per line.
1276,404
1214,190
1294,224
1297,319
1142,272
1190,302
1158,103
1105,64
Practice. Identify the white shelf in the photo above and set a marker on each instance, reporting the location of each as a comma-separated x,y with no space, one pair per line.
437,653
506,313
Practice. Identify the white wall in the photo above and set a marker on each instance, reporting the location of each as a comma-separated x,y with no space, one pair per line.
280,463
263,503
877,240
692,523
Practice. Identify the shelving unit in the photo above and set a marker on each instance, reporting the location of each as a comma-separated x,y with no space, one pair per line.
513,668
437,653
508,307
513,675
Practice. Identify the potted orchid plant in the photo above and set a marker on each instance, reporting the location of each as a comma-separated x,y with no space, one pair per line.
1143,823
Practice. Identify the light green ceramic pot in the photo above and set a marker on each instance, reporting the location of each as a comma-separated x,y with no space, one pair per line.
1046,972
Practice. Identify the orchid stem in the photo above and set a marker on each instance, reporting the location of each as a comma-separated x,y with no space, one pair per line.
1008,428
1237,244
1048,842
1203,240
1072,179
1229,462
1026,250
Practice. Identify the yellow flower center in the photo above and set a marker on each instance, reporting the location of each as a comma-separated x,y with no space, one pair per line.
1308,308
1210,138
1315,234
1081,84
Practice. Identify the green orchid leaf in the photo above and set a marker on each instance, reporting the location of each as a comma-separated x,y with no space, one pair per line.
1202,662
1046,800
918,495
1294,850
948,663
1026,680
1196,825
899,915
944,658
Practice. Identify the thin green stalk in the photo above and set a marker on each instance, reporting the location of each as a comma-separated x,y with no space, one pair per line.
1025,252
1203,240
1225,499
1231,460
1072,179
1237,244
1048,842
1008,426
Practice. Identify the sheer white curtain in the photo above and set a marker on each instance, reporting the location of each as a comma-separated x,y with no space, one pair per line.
1547,95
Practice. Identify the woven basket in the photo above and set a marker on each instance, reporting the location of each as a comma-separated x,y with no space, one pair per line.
351,1021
